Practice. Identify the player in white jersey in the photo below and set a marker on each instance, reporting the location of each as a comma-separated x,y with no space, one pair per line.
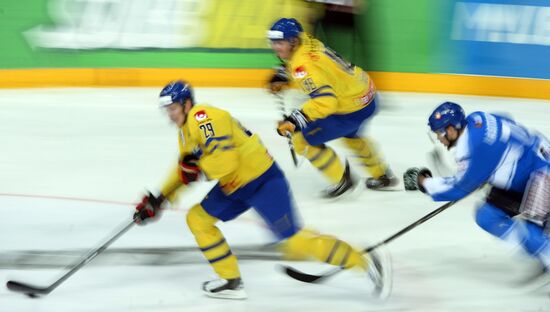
494,150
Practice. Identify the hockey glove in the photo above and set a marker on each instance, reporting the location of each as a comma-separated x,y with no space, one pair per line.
279,79
189,169
411,178
296,121
149,207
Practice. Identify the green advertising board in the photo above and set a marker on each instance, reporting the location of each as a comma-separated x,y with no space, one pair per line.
145,33
396,35
472,37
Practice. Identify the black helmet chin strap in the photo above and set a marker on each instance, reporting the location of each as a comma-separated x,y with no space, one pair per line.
452,143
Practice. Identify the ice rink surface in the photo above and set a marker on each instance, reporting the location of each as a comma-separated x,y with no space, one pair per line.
72,162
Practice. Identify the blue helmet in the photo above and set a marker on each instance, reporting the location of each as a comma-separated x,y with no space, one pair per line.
285,29
447,114
176,92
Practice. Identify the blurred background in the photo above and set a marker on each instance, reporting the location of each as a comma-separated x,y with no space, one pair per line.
450,46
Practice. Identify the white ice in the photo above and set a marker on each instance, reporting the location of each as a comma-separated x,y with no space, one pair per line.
72,162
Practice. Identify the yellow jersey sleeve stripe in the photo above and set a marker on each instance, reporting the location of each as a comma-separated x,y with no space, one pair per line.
212,139
317,92
322,87
321,94
223,148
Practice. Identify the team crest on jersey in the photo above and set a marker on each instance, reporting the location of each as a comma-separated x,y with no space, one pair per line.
201,116
300,72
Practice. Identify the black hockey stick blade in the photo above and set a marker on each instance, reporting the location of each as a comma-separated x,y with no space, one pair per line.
309,278
317,278
29,290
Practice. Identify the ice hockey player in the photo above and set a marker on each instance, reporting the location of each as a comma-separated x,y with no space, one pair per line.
341,100
214,144
494,150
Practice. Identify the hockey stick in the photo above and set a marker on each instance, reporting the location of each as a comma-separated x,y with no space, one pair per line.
281,104
312,278
291,147
34,291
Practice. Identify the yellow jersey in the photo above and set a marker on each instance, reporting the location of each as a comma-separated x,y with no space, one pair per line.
334,85
227,152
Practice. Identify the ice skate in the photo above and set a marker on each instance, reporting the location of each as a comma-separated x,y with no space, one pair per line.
384,181
380,272
346,185
225,289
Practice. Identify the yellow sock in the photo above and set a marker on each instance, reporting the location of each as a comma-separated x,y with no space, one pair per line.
212,243
307,244
365,151
322,157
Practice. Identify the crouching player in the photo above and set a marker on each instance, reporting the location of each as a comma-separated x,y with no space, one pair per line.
495,150
213,143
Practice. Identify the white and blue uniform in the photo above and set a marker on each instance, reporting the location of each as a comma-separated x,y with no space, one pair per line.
496,150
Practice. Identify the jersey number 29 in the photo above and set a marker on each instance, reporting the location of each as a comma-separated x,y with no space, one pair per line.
207,129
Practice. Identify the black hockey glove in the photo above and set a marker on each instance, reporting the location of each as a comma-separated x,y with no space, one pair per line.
280,74
279,79
149,207
410,178
189,169
296,121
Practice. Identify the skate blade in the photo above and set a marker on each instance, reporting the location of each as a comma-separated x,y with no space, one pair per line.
228,294
383,291
352,193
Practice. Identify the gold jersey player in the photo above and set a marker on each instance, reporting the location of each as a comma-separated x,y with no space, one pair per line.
341,99
211,141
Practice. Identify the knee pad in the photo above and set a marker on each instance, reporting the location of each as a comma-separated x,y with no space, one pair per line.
199,220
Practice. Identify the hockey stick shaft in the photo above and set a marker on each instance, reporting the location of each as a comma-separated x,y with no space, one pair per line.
436,159
292,151
411,226
281,104
312,278
29,289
